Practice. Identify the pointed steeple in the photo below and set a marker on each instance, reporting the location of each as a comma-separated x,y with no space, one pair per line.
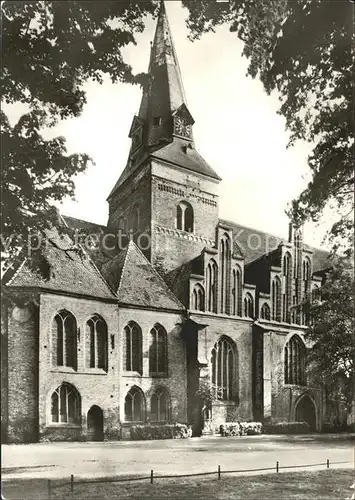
163,126
164,97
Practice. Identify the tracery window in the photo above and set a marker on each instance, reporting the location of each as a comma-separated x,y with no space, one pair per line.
198,298
65,405
265,312
185,217
237,292
211,286
64,340
160,405
276,299
248,306
133,348
295,361
96,343
134,406
224,369
158,350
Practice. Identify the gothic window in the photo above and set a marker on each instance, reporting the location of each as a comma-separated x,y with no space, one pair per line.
265,312
64,340
135,219
160,405
65,405
134,406
276,299
248,306
295,361
224,267
224,369
198,298
306,275
286,299
133,348
185,217
96,343
158,358
237,292
211,286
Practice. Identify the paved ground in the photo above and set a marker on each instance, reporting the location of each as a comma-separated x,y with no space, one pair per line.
128,458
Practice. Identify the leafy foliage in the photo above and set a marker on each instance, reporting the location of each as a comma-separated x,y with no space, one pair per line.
50,49
331,331
161,431
303,50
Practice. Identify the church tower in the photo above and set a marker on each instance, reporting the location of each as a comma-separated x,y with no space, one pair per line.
167,195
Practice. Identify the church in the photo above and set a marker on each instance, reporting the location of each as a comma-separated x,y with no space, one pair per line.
191,312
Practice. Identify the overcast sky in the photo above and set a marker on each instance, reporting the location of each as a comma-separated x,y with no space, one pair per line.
237,130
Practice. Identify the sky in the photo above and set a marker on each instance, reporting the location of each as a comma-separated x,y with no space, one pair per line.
237,130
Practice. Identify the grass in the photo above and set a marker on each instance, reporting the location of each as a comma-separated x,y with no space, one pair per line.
321,485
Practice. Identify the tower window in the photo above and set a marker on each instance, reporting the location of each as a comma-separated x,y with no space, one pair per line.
157,121
185,217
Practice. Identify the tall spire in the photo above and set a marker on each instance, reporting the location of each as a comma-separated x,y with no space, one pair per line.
164,94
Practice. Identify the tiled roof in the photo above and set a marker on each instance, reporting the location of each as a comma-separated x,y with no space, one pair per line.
253,244
191,160
83,224
65,268
137,283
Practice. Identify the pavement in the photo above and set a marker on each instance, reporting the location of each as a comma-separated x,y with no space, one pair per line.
172,457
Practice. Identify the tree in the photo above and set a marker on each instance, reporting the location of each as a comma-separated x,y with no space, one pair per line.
331,331
303,50
50,49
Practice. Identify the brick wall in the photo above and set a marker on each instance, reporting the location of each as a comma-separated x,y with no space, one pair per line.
22,383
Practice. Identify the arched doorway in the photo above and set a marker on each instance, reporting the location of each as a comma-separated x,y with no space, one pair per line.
306,412
95,424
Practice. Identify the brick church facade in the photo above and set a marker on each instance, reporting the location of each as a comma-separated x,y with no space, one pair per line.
92,346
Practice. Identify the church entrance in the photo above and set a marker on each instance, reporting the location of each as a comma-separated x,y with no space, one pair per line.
306,412
95,424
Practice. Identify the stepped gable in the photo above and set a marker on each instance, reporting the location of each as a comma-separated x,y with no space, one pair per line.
137,283
62,267
253,244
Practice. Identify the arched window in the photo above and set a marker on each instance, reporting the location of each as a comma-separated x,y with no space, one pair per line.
134,406
64,340
237,292
224,267
224,369
133,348
286,299
265,312
96,343
295,361
65,405
185,217
158,351
160,405
248,306
198,298
276,299
135,219
211,285
306,276
122,225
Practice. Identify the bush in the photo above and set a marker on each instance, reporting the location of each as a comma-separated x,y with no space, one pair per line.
287,428
332,427
165,431
240,428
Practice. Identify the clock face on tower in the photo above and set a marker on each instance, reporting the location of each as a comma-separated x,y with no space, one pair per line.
181,127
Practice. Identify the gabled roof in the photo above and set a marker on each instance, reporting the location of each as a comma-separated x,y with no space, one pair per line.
62,267
137,283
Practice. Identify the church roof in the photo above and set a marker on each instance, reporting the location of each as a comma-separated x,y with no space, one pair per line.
253,244
62,267
190,160
137,283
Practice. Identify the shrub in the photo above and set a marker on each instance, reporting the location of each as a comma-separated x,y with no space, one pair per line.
287,428
240,428
333,427
165,431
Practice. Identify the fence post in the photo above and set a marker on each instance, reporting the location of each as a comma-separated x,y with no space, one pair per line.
327,463
49,488
72,483
151,476
277,466
219,472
